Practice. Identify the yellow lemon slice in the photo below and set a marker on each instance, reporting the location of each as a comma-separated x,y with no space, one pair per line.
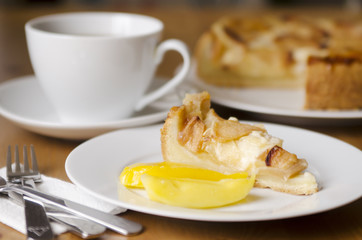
186,186
196,193
131,175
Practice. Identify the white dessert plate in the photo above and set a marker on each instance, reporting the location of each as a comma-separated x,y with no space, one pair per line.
277,102
95,165
23,102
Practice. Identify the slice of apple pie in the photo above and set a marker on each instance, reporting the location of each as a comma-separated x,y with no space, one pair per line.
194,134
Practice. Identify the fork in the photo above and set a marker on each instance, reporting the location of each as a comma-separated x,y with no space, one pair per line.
37,222
27,176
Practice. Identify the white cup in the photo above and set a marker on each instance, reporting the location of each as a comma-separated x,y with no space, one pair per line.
97,66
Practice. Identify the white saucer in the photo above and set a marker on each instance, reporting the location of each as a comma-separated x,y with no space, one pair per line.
23,102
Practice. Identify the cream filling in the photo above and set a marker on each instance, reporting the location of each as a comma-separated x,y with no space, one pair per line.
243,154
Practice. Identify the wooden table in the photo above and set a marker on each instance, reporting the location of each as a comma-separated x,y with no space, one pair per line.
185,23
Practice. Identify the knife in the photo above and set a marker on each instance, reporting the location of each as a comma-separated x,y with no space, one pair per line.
115,223
81,227
37,224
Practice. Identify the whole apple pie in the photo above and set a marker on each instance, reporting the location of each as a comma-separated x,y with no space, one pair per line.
321,55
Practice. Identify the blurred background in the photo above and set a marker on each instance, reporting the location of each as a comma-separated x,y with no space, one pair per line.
182,19
196,3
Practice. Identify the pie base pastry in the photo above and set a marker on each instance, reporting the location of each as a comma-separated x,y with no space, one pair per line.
194,134
321,55
334,83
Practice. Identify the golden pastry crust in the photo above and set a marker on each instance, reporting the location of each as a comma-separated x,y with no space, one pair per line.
334,83
273,51
194,134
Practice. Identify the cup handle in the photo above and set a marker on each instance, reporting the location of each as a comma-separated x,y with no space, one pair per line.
171,44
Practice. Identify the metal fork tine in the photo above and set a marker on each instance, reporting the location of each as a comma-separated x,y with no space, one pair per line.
9,170
34,162
25,159
17,162
25,170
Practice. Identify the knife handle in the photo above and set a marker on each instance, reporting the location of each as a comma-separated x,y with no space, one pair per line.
37,223
116,223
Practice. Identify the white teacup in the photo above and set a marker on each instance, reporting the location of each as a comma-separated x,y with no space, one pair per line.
97,66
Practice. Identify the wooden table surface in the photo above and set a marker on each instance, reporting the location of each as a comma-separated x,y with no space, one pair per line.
185,23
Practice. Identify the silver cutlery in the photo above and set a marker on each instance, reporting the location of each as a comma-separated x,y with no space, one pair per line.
115,223
81,227
37,222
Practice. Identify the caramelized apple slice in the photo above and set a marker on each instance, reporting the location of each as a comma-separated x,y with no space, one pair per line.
287,163
224,130
191,135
